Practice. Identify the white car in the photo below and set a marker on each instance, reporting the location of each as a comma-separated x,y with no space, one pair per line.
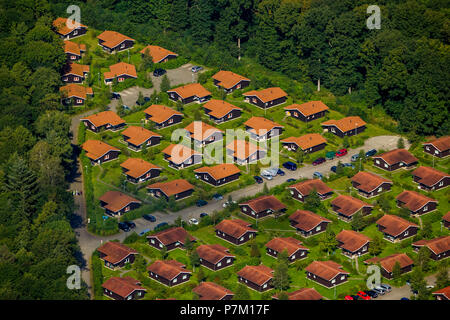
266,176
227,203
193,221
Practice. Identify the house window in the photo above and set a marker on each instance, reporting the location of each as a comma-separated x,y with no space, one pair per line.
265,286
241,239
219,264
75,32
152,241
76,79
244,208
228,260
386,166
175,280
441,183
184,277
120,79
160,245
428,148
73,57
377,161
318,228
332,130
380,189
122,46
333,281
170,121
107,157
299,195
79,101
129,297
343,277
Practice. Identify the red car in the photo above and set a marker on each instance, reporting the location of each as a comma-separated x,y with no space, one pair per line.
341,153
363,295
348,298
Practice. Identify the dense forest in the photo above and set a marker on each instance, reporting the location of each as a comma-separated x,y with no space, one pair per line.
403,66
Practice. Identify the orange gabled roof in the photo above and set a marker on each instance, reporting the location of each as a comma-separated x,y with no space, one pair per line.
160,113
446,217
116,200
200,131
137,167
291,245
394,225
325,269
122,286
264,203
104,118
219,108
96,148
242,149
234,227
173,187
219,171
368,181
73,47
190,90
308,108
396,156
388,263
138,135
352,240
442,144
211,291
445,291
349,205
179,153
115,251
228,79
213,253
60,24
256,274
307,220
76,69
306,141
437,245
158,53
119,69
172,235
303,294
305,187
429,176
346,124
261,125
268,94
414,200
76,90
112,38
168,269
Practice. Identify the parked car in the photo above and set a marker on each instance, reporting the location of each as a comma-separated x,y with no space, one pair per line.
149,217
159,72
196,69
379,290
317,175
334,169
404,298
266,176
330,155
386,287
272,172
348,165
123,226
348,298
201,203
227,203
193,221
125,107
290,180
281,172
258,179
146,99
355,297
217,197
115,95
130,224
318,161
372,294
341,153
162,224
355,157
363,295
371,152
290,165
203,214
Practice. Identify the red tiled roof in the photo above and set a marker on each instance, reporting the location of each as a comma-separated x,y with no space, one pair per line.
158,53
394,225
235,227
438,245
228,79
168,269
115,251
268,94
160,113
112,38
213,253
138,135
429,176
96,148
369,181
60,24
303,294
76,90
179,153
446,217
349,205
73,47
445,291
120,69
190,90
306,220
352,240
104,118
442,144
122,286
256,274
201,131
172,235
346,124
76,69
305,187
325,269
396,156
308,108
219,108
290,244
388,263
413,200
243,149
211,291
116,200
261,125
173,187
137,167
220,171
306,141
264,203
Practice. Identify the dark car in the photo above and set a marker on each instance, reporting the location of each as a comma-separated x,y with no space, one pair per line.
123,226
372,294
162,224
159,72
280,172
217,197
149,217
146,99
201,203
348,165
355,297
318,161
130,224
334,169
258,179
290,180
203,214
115,95
371,152
290,165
